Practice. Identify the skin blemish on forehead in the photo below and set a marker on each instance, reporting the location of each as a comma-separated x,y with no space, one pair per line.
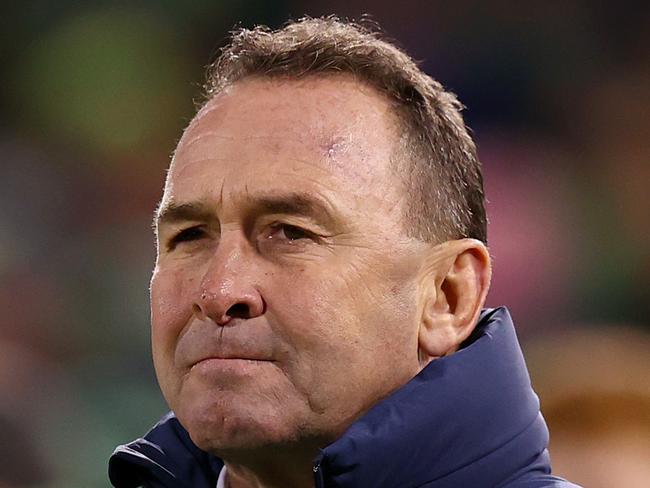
347,156
335,147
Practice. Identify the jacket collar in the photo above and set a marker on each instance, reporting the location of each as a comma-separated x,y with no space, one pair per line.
469,419
165,457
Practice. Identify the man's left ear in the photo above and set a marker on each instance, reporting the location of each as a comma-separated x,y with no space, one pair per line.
454,284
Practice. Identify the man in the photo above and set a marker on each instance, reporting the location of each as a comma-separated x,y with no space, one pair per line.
320,275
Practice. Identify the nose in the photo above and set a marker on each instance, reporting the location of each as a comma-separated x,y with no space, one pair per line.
227,290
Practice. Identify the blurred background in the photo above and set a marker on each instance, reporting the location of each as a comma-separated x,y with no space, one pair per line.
94,96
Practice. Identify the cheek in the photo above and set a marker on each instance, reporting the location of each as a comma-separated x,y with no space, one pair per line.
348,328
170,304
171,309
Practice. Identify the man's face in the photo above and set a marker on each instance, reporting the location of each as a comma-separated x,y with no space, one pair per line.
284,295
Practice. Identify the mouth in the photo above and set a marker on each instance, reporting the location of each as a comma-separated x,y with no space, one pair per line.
229,364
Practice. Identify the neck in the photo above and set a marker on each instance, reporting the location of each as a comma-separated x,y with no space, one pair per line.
271,468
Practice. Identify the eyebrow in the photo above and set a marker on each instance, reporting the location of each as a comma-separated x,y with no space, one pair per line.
172,212
303,204
296,203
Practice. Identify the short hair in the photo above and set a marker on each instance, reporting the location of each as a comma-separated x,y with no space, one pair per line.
436,155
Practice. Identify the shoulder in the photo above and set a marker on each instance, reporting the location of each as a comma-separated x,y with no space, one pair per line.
165,457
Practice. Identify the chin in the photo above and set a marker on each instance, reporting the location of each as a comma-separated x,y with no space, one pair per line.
228,425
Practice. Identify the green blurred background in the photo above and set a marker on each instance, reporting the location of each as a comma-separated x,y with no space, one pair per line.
95,95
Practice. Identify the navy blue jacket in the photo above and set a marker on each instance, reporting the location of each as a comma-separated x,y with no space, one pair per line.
467,420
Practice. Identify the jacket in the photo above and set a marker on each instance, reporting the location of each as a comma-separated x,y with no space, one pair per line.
470,419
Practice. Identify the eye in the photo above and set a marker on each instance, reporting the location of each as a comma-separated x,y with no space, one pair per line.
186,235
289,233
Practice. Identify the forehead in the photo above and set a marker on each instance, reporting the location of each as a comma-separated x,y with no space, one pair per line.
318,131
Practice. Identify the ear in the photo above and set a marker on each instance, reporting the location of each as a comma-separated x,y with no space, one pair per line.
454,284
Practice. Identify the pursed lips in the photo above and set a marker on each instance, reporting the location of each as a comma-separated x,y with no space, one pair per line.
230,358
228,366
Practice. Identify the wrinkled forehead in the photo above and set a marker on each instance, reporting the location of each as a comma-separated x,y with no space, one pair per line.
336,122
